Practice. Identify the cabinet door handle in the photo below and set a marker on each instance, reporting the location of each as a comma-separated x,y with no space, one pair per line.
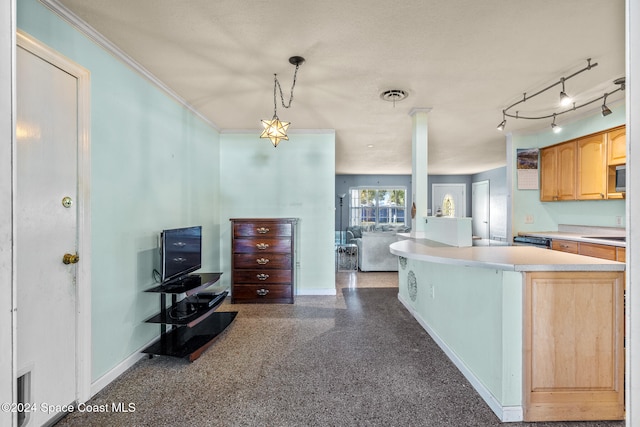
262,246
262,261
262,230
262,292
262,276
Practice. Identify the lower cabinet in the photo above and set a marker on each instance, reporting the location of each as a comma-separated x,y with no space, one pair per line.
574,346
596,250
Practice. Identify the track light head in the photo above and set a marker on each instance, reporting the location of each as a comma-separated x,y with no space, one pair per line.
605,110
502,124
554,127
565,100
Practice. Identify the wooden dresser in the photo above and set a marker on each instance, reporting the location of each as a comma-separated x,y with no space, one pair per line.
262,260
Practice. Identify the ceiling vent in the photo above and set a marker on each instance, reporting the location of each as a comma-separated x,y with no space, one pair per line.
393,95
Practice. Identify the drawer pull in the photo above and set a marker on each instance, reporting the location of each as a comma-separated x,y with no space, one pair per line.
262,246
262,261
262,292
262,230
262,276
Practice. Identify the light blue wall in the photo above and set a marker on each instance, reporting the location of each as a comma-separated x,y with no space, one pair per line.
547,216
154,165
477,314
294,180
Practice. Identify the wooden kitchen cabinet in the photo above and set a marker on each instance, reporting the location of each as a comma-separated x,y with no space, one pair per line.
557,172
617,146
583,168
598,251
573,346
565,246
592,167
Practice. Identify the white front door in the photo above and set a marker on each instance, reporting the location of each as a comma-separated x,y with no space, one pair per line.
450,199
480,209
46,217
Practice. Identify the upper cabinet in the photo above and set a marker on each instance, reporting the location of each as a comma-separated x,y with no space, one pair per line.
581,169
617,146
592,167
557,172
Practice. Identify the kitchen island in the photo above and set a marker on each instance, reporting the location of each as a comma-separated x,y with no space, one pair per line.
538,333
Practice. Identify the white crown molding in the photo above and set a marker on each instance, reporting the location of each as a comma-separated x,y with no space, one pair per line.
93,35
289,132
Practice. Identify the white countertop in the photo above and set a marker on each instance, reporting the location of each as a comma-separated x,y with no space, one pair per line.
512,258
576,237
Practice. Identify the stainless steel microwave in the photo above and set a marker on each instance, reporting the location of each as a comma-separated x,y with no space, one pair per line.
621,178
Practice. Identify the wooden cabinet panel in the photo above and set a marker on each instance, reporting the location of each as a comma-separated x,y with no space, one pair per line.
598,251
621,254
557,172
592,168
573,346
567,171
617,146
262,260
564,246
548,174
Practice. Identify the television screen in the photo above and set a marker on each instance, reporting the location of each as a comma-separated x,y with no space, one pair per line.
181,252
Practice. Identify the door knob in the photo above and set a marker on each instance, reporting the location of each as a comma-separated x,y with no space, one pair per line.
70,259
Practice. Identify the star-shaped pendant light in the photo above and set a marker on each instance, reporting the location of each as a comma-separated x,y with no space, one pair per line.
275,129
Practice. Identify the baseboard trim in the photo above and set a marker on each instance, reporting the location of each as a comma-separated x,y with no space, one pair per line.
504,413
119,369
316,292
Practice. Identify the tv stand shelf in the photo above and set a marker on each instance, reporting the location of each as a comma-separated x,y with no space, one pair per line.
189,285
196,324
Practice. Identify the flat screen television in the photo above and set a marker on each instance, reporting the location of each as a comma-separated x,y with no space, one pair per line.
180,252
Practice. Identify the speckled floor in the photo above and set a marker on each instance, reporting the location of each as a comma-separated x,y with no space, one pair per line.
354,359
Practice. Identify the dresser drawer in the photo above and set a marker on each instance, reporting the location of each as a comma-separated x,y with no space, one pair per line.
262,228
262,244
262,276
266,261
262,293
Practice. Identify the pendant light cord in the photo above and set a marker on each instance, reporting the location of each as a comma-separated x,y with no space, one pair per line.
276,84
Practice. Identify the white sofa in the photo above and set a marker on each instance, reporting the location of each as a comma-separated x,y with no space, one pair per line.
373,251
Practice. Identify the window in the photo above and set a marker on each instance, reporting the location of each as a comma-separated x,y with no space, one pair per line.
371,207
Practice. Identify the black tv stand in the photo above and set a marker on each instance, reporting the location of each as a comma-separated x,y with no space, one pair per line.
195,323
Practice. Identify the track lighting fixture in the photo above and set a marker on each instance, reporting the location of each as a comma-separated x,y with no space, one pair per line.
565,100
554,127
605,110
275,129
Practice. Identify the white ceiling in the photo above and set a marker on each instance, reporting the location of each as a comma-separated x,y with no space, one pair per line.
465,59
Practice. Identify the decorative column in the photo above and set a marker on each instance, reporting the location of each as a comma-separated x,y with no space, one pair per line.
419,166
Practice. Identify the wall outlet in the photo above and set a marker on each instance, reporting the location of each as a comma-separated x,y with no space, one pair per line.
619,220
432,291
528,219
